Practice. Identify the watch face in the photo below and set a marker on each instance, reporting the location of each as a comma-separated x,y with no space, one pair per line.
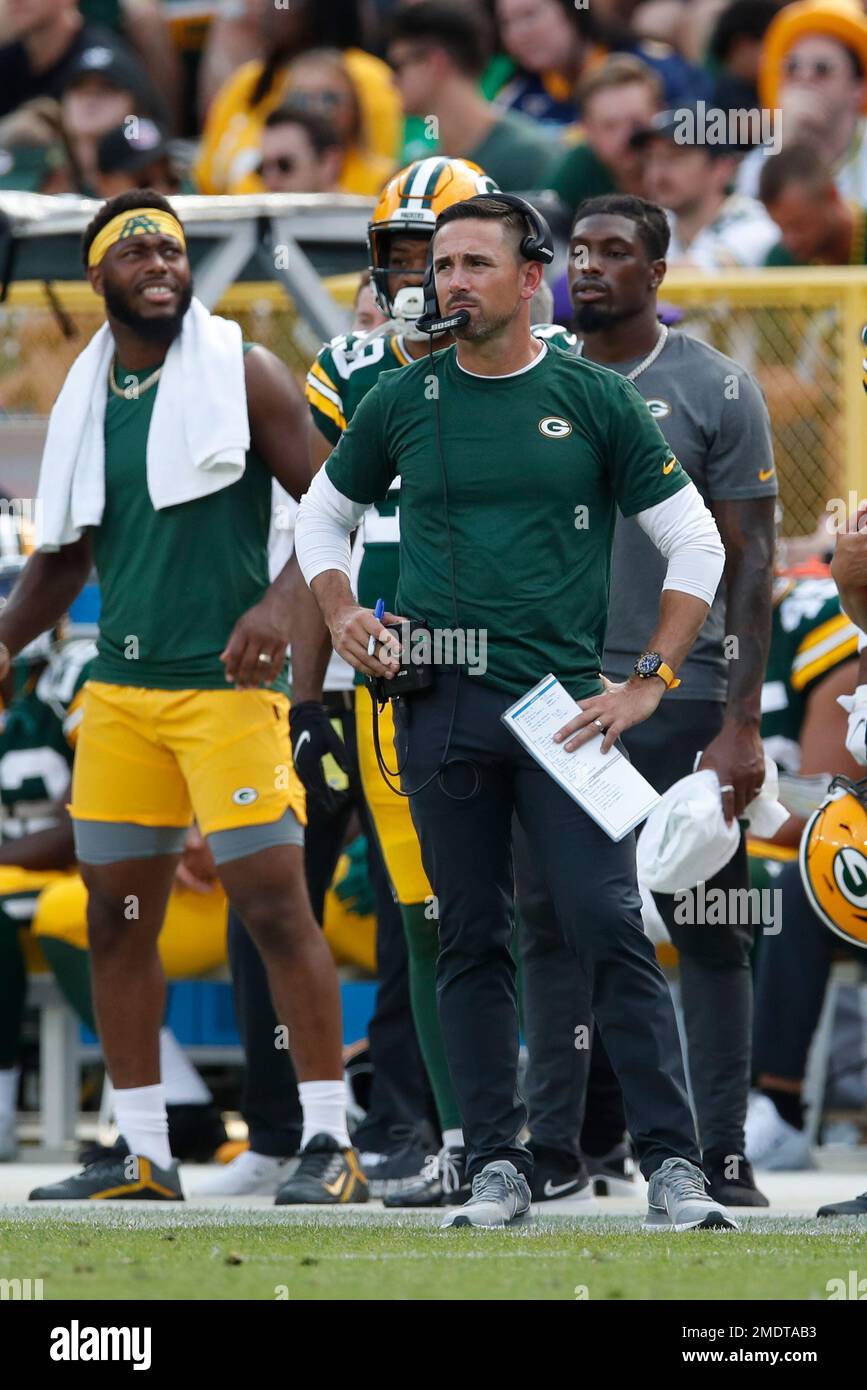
648,664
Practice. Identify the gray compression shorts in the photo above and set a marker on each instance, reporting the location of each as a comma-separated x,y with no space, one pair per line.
107,842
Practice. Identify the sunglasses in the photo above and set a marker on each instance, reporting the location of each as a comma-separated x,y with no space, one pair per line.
820,67
281,164
324,99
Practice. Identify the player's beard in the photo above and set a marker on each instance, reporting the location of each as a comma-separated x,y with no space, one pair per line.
159,329
593,318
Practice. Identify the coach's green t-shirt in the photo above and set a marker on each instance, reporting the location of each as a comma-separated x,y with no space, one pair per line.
174,582
536,464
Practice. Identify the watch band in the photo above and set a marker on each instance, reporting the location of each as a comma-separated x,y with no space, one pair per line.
665,671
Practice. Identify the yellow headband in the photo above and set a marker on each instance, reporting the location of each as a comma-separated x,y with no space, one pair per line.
134,222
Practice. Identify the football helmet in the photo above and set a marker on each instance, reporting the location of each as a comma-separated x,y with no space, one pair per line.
409,205
833,860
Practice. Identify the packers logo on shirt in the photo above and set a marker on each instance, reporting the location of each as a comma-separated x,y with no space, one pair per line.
554,428
658,409
244,796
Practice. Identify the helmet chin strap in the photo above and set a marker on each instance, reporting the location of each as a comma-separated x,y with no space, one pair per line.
407,308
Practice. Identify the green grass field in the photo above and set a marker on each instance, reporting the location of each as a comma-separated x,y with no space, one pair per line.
200,1255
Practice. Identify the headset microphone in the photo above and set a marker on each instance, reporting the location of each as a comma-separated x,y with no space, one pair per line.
432,321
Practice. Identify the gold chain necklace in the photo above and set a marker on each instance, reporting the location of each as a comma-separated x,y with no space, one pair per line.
132,392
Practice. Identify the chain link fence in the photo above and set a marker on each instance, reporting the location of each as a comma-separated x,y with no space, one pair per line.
798,331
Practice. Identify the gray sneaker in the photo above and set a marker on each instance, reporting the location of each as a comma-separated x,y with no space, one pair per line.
501,1197
677,1200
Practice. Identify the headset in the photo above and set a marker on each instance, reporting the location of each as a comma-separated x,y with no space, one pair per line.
537,245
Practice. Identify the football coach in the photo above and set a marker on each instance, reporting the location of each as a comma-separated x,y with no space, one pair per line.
513,457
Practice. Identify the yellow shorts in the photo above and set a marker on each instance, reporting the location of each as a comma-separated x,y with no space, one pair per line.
389,812
191,943
160,757
19,896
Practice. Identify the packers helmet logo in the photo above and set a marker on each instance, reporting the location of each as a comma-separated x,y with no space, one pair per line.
850,875
138,226
659,409
554,428
244,796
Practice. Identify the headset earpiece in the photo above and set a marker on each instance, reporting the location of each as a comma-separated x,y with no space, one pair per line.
538,245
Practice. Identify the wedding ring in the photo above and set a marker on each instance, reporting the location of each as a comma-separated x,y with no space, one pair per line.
727,788
264,658
600,726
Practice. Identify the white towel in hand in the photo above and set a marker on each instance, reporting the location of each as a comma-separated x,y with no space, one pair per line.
198,438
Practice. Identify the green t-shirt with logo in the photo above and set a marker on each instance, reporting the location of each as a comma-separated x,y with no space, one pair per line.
341,376
173,582
536,465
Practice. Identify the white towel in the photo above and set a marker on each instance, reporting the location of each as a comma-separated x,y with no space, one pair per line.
198,437
686,841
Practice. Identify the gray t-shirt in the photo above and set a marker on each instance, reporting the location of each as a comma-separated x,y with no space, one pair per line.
714,417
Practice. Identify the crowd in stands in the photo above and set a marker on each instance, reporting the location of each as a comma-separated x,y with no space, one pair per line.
100,97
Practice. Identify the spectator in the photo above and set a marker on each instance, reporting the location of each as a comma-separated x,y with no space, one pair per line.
711,227
103,88
618,97
438,51
300,152
817,225
735,49
33,153
320,82
549,42
813,65
233,128
49,38
136,155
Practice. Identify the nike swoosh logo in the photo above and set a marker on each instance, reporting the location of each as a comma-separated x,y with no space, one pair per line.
300,744
765,474
667,467
335,1188
551,1191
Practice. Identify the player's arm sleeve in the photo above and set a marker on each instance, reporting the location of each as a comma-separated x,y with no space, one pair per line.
643,469
740,458
685,533
322,390
357,474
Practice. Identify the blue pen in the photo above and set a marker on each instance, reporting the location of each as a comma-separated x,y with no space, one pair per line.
377,613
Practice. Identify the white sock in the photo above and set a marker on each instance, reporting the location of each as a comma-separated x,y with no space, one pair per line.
9,1078
140,1112
324,1107
182,1082
453,1138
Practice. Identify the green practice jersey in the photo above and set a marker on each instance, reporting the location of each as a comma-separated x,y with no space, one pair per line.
810,635
339,379
536,465
173,582
35,741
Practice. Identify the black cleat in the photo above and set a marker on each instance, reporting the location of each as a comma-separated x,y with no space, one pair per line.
195,1132
326,1175
613,1173
740,1189
118,1177
856,1207
557,1175
441,1183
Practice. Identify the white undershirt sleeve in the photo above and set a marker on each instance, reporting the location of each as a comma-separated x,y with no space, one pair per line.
684,531
323,525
